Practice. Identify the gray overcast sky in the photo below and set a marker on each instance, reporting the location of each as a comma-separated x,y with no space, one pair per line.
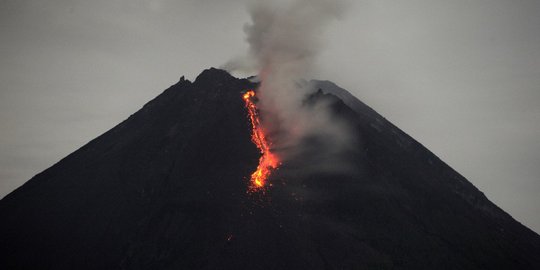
461,76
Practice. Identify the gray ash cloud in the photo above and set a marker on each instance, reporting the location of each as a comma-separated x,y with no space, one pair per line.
284,40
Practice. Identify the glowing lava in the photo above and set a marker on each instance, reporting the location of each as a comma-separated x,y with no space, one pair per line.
268,161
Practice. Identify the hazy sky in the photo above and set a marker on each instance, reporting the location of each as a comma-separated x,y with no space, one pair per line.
462,77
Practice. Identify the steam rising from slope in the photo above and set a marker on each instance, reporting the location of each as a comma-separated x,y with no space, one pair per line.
284,39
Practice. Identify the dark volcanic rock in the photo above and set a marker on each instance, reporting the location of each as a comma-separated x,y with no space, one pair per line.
166,189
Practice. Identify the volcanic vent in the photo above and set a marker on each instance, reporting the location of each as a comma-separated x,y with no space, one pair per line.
166,189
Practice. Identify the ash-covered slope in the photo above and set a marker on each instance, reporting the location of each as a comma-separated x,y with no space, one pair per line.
166,189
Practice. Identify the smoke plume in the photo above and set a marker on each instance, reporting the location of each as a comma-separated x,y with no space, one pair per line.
284,40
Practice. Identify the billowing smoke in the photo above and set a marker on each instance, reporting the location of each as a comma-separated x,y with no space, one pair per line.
284,39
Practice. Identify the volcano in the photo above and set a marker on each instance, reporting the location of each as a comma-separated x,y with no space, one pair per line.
168,188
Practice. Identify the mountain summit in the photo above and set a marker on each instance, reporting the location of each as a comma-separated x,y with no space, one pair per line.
168,189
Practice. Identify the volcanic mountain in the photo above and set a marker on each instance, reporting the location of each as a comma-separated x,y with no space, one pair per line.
168,189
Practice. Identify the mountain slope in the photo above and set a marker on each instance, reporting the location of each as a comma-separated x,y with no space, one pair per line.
166,189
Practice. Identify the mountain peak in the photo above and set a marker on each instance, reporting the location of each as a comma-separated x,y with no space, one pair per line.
214,74
168,189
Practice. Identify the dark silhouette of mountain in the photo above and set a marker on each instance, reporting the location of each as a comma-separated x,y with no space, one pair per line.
166,189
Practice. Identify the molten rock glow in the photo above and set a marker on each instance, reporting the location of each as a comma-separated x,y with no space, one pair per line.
268,161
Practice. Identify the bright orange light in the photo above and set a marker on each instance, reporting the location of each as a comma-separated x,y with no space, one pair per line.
268,161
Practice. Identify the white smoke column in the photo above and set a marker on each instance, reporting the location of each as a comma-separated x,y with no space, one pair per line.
284,40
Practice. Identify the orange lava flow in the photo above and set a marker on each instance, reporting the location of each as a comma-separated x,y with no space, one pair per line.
268,161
